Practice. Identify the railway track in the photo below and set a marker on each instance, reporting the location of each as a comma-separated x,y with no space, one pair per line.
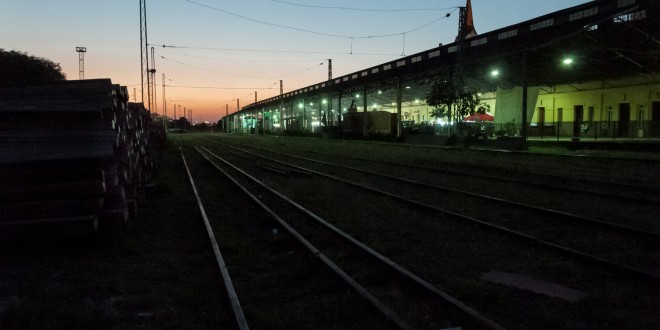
380,279
426,240
600,179
237,310
580,181
633,206
602,170
538,225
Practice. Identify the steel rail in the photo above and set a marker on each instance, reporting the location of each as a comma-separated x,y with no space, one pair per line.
513,180
648,161
386,311
639,273
415,278
504,179
561,214
241,322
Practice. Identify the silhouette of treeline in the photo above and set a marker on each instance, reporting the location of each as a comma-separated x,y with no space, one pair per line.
17,68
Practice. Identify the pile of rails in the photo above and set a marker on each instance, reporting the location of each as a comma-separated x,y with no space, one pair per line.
74,156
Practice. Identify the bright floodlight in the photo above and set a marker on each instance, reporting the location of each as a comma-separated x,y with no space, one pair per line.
495,73
568,61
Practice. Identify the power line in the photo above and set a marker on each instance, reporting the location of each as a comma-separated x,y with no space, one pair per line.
363,9
237,75
210,70
314,32
219,87
184,85
279,51
241,60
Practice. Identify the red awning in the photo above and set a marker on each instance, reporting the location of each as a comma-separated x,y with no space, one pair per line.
478,116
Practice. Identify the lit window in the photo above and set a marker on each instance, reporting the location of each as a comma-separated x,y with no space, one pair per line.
387,66
375,70
416,59
401,63
364,73
354,76
452,49
636,16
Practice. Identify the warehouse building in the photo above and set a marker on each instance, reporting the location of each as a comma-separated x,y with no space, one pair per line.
589,71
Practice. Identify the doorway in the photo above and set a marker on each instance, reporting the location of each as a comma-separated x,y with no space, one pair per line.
578,111
655,119
624,119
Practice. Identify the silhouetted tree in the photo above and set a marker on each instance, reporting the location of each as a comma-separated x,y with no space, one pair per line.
449,101
21,68
441,97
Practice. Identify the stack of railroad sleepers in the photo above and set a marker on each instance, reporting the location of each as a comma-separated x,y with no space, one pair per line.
67,157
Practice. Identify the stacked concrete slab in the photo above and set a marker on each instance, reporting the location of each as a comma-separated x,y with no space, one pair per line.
73,157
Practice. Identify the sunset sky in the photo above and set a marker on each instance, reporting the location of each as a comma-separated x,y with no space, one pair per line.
222,50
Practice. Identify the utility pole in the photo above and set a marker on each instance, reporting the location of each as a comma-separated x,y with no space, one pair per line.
523,129
152,82
281,106
144,61
164,100
81,62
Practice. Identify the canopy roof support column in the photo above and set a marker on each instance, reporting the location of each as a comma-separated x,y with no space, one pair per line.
364,118
399,97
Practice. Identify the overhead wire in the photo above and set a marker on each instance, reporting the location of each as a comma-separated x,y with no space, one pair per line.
276,51
361,9
315,32
183,63
215,87
206,69
238,60
238,75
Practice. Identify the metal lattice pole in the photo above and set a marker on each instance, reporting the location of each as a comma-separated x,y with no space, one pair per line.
81,62
152,80
144,64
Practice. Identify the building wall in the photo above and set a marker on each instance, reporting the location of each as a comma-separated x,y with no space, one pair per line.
601,104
